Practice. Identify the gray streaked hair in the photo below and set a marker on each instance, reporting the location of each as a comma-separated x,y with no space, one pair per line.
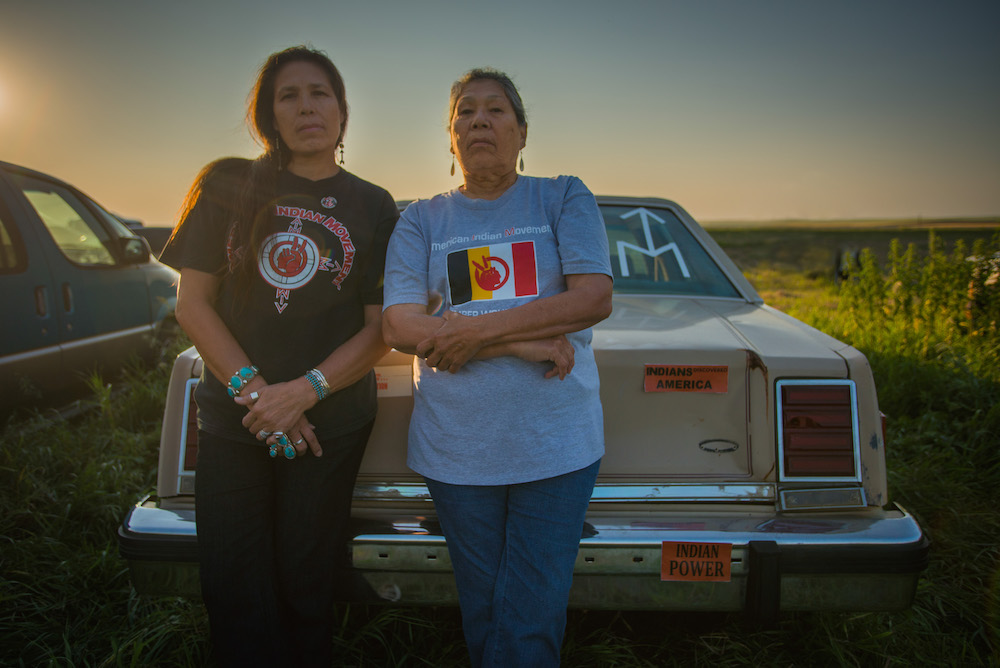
488,74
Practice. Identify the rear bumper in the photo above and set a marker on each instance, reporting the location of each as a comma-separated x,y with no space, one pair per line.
854,561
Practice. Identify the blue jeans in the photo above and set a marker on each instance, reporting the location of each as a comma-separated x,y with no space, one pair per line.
272,545
512,548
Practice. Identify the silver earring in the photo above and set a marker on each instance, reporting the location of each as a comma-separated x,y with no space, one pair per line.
522,161
277,150
453,165
341,152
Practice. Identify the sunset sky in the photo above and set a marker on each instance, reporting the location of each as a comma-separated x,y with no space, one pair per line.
736,109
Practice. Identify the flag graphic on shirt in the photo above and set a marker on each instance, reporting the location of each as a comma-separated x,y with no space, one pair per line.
500,271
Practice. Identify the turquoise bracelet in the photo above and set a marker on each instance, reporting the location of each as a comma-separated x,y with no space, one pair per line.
240,379
318,382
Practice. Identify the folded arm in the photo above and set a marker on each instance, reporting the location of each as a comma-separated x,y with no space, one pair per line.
448,343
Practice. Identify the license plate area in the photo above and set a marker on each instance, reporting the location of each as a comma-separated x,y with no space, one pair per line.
696,562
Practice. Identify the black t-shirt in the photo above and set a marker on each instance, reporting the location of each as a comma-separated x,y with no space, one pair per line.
320,263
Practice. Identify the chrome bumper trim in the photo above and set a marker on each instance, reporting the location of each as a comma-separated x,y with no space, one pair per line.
605,493
890,528
861,560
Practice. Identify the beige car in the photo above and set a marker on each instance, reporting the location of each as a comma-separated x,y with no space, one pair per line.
745,465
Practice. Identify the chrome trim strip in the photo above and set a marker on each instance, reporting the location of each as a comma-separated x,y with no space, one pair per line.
77,343
103,338
894,526
855,428
31,354
182,446
605,493
741,300
684,492
406,491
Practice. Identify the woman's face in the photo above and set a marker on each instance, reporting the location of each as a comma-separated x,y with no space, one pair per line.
485,135
306,111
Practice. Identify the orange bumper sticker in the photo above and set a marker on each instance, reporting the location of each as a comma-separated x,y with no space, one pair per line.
680,378
696,562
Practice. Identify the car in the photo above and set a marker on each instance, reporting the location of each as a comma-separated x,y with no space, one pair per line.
744,467
80,291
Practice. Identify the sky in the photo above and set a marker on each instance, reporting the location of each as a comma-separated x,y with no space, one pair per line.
735,109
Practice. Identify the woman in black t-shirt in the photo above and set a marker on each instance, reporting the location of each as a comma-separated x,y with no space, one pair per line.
281,263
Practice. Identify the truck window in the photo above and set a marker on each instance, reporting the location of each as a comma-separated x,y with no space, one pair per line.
75,230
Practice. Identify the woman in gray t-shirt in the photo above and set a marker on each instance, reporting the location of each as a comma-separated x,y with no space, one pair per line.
494,287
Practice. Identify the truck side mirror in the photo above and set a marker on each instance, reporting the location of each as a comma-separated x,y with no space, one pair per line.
134,250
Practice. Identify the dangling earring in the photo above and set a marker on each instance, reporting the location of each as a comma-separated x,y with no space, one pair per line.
522,161
277,149
341,152
453,165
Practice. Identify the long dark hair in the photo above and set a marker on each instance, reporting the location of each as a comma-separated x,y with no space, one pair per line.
259,177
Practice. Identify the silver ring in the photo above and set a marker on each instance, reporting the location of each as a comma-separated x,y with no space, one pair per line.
254,396
262,434
299,442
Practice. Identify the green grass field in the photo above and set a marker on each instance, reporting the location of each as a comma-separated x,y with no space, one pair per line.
65,599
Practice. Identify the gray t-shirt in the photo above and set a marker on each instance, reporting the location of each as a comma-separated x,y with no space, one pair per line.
500,421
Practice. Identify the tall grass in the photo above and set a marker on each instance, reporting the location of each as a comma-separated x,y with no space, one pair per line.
65,598
65,484
930,327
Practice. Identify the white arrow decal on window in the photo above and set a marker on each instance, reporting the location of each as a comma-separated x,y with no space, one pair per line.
645,215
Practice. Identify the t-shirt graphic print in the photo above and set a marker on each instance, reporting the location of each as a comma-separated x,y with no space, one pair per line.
289,260
497,271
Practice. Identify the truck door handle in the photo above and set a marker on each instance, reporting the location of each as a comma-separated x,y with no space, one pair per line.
67,295
42,301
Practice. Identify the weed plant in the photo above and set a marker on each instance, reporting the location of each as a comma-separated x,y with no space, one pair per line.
65,598
928,324
64,486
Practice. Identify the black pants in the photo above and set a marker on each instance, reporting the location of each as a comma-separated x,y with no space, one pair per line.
272,542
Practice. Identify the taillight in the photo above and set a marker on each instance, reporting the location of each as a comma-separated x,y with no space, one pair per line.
818,430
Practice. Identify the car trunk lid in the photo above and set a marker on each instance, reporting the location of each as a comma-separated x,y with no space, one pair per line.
676,385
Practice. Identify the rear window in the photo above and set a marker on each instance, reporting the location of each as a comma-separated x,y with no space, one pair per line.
653,253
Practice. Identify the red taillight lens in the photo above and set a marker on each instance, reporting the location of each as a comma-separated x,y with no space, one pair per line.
817,429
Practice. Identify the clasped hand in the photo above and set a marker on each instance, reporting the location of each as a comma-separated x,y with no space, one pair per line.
453,344
460,338
279,409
